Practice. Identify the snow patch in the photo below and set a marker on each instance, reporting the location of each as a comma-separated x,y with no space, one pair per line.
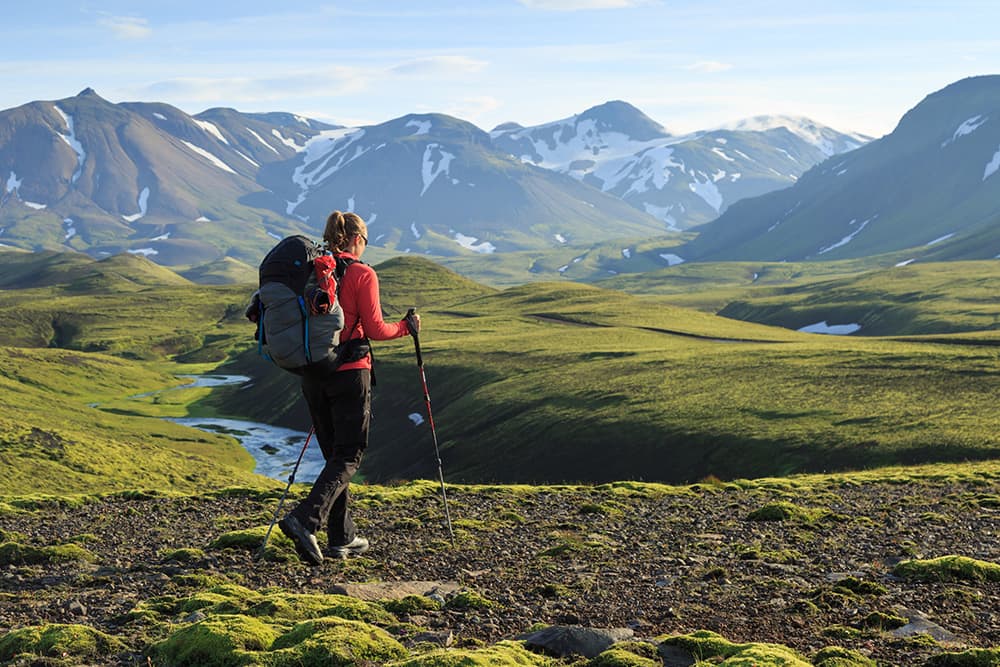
841,172
350,204
323,156
413,228
145,252
161,237
850,237
991,168
905,262
159,115
469,243
288,142
721,140
212,129
35,205
941,238
416,418
143,201
202,218
429,171
70,229
560,238
735,177
707,191
626,253
248,158
273,235
721,153
208,156
833,329
671,259
423,126
73,142
261,140
13,183
662,213
967,127
563,268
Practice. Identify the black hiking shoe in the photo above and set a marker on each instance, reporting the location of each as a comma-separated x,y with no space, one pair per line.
355,547
305,542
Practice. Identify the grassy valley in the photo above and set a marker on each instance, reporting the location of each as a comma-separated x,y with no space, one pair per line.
130,540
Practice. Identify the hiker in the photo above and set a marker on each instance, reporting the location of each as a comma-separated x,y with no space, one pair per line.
339,400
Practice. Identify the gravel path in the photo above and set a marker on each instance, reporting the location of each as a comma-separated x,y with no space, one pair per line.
656,563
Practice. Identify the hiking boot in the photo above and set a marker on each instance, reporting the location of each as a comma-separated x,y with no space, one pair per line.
305,542
355,547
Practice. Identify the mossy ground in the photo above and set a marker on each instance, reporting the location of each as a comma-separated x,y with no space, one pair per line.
669,562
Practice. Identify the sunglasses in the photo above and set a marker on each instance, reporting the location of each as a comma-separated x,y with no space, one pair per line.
363,238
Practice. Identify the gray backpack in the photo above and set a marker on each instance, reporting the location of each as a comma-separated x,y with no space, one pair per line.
298,316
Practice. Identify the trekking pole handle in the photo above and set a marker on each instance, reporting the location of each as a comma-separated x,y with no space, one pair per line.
411,324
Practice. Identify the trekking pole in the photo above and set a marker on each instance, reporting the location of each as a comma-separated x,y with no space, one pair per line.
411,325
291,479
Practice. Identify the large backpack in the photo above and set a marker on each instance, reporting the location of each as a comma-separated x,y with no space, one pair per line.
299,318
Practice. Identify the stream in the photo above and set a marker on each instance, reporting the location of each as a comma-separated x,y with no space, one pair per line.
274,448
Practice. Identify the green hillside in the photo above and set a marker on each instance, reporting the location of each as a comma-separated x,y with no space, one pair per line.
557,376
59,434
935,298
552,375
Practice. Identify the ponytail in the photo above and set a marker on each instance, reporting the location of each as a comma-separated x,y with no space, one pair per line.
341,228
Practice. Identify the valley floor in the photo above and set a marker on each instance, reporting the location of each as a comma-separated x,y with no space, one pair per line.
806,563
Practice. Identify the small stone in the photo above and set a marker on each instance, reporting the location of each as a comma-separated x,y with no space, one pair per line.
76,608
194,617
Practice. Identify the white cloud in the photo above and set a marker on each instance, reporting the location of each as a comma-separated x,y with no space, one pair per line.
439,65
708,66
126,27
576,5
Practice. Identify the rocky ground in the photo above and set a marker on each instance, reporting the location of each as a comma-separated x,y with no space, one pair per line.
815,568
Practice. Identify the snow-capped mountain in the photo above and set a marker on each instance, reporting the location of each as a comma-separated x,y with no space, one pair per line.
436,183
682,180
85,174
930,186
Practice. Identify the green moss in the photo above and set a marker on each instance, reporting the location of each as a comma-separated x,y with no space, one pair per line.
186,555
555,591
279,548
705,645
878,620
860,587
13,553
620,657
411,604
298,607
503,654
628,654
948,568
220,641
334,641
466,600
976,657
835,656
60,641
785,511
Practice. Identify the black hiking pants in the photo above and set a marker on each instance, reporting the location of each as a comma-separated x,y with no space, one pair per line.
340,406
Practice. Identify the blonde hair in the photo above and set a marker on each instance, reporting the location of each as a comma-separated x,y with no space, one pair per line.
341,228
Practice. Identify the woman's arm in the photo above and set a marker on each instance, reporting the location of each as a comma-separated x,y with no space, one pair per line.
370,309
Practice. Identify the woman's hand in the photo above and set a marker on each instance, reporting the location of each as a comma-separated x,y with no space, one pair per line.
412,320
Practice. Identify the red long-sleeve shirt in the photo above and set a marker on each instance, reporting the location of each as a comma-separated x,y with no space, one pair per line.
359,299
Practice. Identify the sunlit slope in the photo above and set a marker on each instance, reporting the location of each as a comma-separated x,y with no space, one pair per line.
934,298
54,438
123,305
528,389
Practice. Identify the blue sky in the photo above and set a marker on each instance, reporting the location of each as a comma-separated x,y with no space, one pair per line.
857,66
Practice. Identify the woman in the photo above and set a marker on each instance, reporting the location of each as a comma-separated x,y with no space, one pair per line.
340,400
